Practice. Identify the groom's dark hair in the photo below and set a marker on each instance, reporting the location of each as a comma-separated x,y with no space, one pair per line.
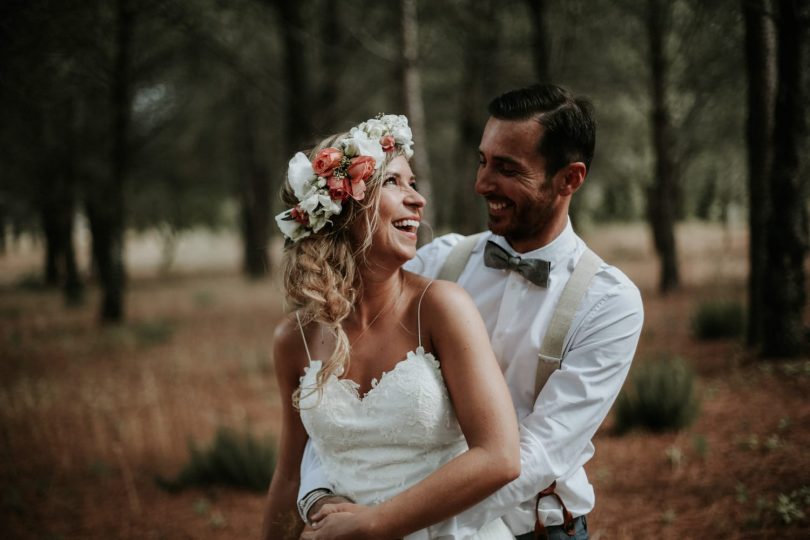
569,130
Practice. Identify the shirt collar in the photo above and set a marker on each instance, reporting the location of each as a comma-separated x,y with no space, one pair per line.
555,251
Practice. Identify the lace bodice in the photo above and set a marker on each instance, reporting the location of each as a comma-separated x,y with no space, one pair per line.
375,446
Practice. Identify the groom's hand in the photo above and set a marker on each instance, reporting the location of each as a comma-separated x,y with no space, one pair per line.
334,507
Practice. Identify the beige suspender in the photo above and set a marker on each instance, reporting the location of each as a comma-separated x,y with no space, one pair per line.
553,346
458,257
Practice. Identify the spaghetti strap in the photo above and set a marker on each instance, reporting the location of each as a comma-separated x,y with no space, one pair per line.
303,336
419,314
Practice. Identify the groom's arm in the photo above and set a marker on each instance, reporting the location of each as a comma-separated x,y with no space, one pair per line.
571,406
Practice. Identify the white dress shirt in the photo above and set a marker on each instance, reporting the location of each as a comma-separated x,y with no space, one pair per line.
556,428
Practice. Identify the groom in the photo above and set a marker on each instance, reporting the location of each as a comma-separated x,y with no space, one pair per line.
534,155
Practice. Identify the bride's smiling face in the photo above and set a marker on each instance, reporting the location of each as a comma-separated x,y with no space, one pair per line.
398,217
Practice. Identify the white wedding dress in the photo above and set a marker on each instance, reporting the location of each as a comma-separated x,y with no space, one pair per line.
375,446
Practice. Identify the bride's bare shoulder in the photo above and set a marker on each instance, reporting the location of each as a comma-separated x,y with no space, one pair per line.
444,303
289,351
286,329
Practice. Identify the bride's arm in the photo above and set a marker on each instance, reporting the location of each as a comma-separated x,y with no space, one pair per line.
281,519
485,413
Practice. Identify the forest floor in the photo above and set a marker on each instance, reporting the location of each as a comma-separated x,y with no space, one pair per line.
91,416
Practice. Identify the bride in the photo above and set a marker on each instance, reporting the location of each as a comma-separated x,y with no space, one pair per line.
391,375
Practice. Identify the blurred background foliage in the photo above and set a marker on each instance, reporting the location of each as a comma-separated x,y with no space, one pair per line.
176,114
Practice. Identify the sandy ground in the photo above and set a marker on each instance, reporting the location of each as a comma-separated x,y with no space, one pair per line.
90,416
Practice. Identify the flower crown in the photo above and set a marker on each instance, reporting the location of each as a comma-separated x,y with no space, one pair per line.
339,173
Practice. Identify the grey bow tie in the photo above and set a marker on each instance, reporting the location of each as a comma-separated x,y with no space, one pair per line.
535,270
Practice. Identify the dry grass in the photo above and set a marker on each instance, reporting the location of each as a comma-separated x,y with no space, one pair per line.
90,416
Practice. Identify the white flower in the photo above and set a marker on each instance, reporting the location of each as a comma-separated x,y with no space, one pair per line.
310,203
321,218
318,222
374,128
311,190
394,120
407,150
370,147
291,228
402,134
331,208
350,148
398,127
300,175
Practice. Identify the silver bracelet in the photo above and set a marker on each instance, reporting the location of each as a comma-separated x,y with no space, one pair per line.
309,500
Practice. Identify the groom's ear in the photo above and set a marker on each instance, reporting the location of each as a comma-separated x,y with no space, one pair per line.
572,176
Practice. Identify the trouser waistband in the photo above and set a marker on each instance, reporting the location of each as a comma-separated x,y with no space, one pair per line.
580,523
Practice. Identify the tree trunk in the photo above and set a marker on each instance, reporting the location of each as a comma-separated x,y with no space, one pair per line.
58,208
414,107
298,121
47,193
53,245
783,329
662,194
3,244
464,206
255,185
331,72
760,53
254,193
57,201
541,49
72,287
107,203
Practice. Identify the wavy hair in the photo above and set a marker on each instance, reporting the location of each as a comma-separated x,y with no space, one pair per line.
321,272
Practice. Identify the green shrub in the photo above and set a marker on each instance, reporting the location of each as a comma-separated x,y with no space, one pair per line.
237,460
32,281
660,396
149,333
788,509
718,320
204,299
700,445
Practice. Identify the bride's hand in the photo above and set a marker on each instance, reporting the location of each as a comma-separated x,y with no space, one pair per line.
343,521
333,508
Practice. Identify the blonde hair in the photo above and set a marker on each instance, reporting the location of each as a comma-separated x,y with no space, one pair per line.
321,272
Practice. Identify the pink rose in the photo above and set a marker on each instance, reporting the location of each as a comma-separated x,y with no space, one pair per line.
326,160
388,143
339,188
358,190
361,168
299,215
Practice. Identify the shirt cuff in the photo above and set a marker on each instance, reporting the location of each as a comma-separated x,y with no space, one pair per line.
308,501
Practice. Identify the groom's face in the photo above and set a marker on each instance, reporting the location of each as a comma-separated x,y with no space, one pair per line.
511,177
